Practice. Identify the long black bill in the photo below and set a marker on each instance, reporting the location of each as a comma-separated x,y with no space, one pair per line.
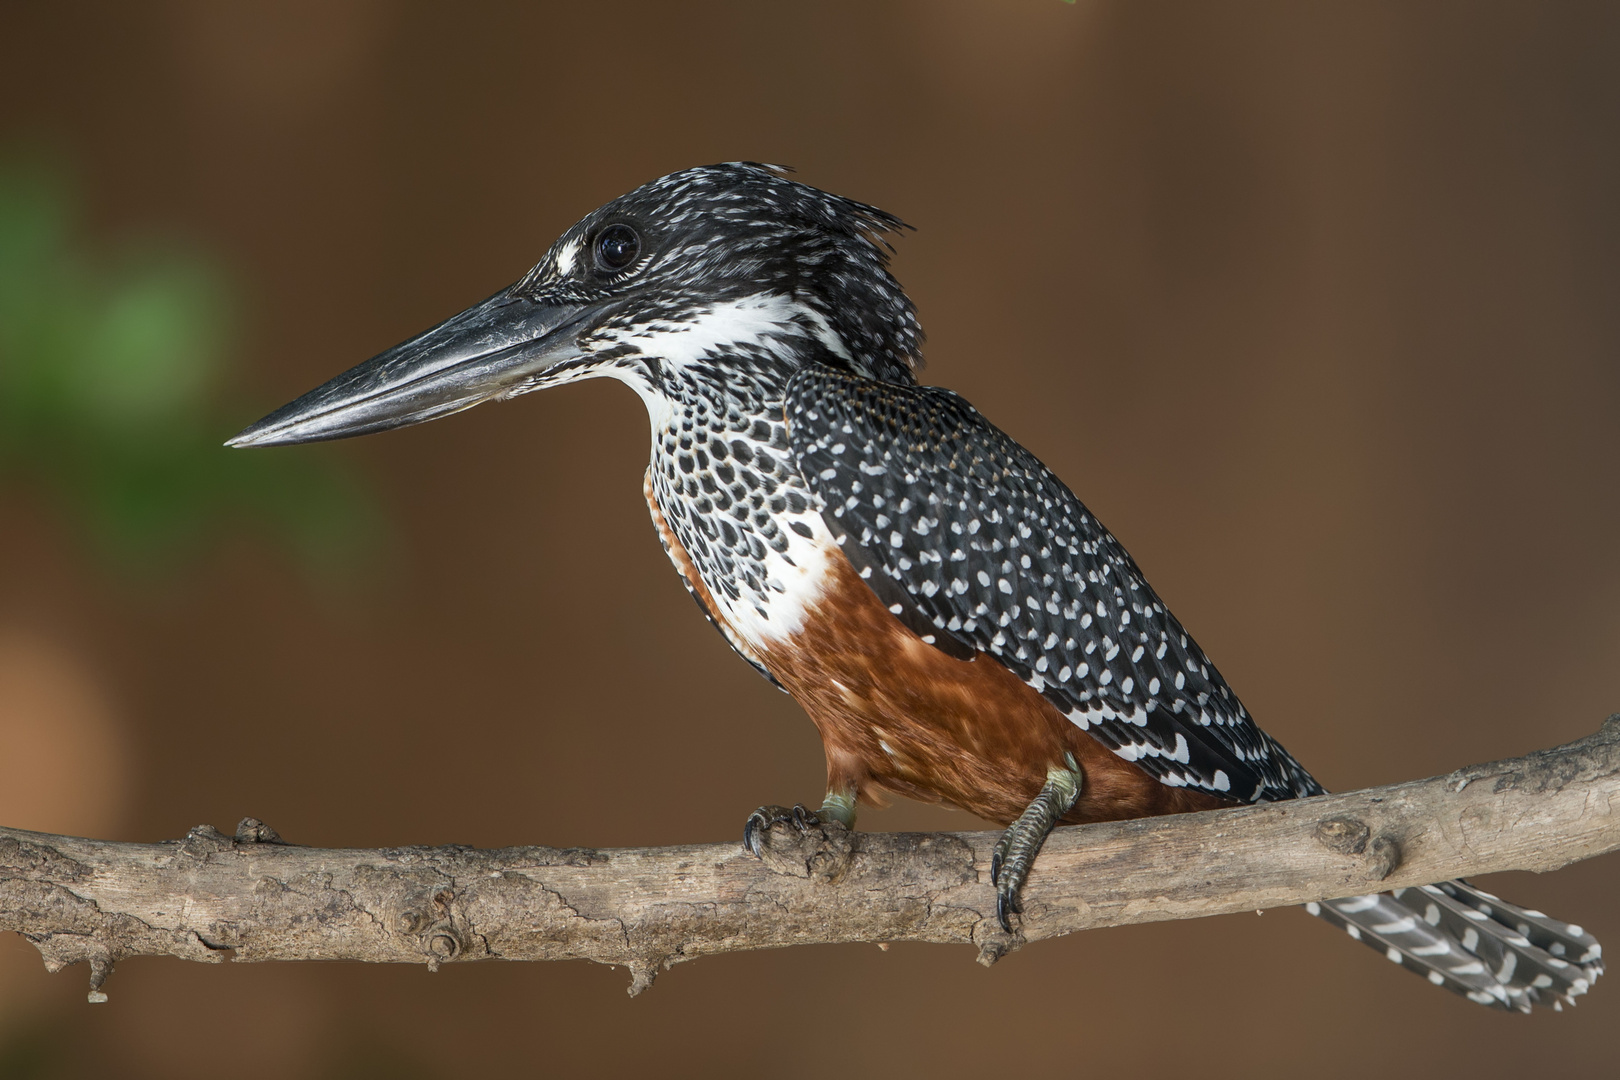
488,351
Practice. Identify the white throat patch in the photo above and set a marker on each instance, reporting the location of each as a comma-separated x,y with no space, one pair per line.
762,321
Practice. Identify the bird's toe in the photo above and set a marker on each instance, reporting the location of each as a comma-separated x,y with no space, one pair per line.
798,842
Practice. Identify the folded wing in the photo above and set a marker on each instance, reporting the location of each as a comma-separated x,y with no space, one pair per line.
976,546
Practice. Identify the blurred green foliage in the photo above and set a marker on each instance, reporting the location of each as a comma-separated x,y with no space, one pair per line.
111,397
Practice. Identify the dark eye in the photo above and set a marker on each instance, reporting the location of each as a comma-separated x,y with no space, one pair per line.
617,247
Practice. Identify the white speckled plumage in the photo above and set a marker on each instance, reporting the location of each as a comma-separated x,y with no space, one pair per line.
758,322
973,544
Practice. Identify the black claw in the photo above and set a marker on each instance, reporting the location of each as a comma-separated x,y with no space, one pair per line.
995,868
1008,904
761,821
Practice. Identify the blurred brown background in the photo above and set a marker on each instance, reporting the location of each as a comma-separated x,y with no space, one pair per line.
1313,304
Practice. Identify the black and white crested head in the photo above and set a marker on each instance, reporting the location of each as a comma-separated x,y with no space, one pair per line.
706,292
736,259
687,284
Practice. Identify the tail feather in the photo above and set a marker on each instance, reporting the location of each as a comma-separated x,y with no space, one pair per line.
1474,944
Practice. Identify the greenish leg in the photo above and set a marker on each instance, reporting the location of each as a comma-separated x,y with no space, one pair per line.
838,806
1016,850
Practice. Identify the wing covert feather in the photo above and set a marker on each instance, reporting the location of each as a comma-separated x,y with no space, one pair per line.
978,547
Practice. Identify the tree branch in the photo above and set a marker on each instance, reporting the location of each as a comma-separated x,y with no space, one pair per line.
208,896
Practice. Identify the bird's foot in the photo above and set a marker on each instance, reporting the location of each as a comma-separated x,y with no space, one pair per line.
1016,850
801,842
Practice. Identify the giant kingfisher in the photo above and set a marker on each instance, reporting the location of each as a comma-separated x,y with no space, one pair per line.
960,628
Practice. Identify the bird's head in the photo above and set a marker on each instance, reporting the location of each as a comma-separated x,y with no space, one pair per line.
722,265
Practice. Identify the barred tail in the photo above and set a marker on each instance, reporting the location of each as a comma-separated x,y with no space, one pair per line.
1473,944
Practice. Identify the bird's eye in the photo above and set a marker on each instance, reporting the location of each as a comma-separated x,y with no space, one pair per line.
617,247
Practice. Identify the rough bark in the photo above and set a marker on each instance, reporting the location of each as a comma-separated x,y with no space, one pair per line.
208,896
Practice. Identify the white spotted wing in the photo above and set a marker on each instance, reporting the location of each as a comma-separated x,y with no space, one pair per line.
976,546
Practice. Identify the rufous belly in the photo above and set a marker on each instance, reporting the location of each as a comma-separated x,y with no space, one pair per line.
897,715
